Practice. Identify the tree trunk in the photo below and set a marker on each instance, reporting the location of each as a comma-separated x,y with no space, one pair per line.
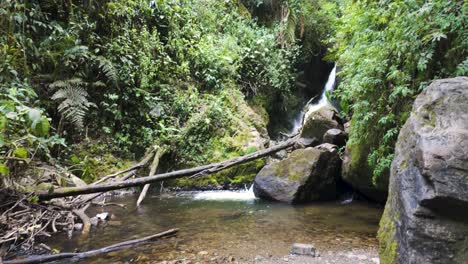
197,172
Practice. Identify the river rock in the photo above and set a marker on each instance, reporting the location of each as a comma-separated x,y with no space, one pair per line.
426,215
335,136
306,175
302,249
94,221
319,121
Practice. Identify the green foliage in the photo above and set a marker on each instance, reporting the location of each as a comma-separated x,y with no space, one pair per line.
389,51
74,100
139,72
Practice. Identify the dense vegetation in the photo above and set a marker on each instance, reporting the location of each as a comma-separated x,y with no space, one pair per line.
389,51
93,84
82,79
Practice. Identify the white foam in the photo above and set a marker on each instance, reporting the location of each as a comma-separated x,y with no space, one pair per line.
323,101
246,195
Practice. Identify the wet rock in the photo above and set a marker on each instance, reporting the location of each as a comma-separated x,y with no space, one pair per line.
425,218
356,172
346,127
303,249
335,136
102,216
318,122
78,226
94,221
306,175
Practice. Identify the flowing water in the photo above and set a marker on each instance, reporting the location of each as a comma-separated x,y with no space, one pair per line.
224,224
310,108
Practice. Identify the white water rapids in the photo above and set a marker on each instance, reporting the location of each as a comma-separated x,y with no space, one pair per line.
242,195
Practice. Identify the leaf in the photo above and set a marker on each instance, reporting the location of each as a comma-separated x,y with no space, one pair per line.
41,127
21,153
4,170
34,115
3,123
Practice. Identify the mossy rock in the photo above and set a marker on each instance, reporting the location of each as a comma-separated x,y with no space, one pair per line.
425,218
358,174
306,175
319,121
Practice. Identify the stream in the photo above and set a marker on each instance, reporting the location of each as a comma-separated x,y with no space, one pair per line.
219,225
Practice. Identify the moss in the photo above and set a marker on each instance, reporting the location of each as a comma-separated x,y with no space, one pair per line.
387,244
240,175
94,158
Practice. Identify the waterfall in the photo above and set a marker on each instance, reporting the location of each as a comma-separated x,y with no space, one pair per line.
310,108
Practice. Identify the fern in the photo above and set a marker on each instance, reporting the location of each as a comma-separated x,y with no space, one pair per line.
74,100
107,68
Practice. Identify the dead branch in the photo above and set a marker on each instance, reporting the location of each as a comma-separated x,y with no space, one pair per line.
141,164
154,166
86,254
197,172
84,218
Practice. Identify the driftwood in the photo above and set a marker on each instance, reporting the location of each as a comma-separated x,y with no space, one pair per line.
194,172
84,218
154,166
86,254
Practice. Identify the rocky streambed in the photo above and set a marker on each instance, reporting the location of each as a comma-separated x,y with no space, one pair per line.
231,227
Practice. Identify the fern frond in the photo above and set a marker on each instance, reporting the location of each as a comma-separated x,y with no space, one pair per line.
73,97
107,68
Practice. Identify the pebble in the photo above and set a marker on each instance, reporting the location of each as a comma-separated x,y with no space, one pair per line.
102,216
78,226
202,253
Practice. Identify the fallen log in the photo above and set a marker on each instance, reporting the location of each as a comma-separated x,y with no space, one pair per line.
141,164
197,171
86,254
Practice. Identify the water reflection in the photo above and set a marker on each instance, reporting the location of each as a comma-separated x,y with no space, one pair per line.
224,227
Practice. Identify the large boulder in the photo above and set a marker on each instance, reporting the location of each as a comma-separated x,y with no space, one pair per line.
356,172
306,175
336,137
319,121
426,215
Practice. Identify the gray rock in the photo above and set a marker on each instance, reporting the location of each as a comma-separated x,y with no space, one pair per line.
347,127
308,174
357,173
426,215
78,226
328,147
318,122
335,136
94,221
102,216
303,249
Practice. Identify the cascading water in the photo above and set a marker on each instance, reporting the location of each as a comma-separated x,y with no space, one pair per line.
244,195
310,108
248,194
